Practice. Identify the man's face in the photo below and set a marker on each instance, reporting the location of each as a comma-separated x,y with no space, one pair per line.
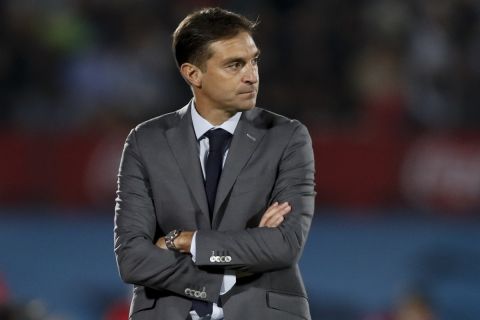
229,81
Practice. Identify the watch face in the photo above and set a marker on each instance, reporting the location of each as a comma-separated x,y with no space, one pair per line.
170,237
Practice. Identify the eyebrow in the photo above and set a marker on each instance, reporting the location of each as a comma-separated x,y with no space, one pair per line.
240,59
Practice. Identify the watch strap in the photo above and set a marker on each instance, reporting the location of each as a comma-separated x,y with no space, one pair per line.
170,239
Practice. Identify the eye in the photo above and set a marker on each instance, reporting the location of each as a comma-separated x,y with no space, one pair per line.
255,61
234,65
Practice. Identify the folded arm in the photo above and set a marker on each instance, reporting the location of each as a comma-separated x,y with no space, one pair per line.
264,249
139,260
272,218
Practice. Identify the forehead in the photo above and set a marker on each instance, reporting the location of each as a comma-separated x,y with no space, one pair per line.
241,46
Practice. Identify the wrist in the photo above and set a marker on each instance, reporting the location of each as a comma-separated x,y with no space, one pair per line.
171,237
184,241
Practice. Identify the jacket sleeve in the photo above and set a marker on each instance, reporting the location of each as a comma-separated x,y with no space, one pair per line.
264,249
139,260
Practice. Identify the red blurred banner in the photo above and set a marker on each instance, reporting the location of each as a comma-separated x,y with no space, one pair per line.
353,170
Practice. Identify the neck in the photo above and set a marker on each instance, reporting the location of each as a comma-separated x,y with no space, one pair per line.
214,116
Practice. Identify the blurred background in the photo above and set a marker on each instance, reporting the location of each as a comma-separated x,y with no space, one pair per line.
389,89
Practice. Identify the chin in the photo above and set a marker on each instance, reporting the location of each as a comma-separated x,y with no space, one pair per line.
247,105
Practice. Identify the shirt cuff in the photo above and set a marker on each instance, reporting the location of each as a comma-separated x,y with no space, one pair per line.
193,246
229,280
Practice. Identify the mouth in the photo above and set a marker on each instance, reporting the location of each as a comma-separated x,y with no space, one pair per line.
249,92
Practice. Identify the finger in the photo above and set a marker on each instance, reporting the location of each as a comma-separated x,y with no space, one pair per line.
278,215
285,210
272,211
279,221
267,214
274,222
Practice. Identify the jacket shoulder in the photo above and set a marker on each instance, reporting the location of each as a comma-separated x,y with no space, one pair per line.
264,118
162,122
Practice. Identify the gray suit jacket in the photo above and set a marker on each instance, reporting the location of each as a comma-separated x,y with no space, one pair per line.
160,188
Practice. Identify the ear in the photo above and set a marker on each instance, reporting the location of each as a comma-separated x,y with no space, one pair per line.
192,74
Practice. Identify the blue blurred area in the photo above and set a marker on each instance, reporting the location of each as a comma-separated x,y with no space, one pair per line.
65,261
360,266
389,90
352,267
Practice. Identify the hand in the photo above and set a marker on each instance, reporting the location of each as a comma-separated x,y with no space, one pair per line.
274,215
182,242
161,243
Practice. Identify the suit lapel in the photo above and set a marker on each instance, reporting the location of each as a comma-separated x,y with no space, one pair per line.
245,139
183,143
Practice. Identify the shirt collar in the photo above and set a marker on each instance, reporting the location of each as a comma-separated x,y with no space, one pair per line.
201,125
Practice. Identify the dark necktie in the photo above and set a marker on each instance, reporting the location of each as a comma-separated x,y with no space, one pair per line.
218,140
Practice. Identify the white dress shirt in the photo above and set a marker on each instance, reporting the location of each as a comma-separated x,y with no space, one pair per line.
201,126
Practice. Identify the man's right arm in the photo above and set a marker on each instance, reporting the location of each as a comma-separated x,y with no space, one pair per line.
272,218
139,260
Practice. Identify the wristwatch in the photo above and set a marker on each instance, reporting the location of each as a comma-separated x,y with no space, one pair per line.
170,237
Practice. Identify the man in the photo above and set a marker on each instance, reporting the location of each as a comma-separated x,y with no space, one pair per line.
215,200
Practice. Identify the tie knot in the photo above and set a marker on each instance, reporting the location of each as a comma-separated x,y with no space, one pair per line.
218,139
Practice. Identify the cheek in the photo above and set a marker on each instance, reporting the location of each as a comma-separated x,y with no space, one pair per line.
223,87
220,87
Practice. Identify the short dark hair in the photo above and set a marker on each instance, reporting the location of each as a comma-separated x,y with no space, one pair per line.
200,28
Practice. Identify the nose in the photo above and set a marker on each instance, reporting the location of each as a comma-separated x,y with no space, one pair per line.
250,75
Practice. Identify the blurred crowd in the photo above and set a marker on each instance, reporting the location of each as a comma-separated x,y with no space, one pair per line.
388,68
12,310
368,77
383,64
